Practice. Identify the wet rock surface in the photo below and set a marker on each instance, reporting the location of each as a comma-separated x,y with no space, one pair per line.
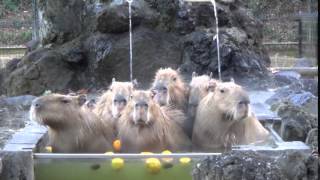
255,165
17,165
94,45
13,115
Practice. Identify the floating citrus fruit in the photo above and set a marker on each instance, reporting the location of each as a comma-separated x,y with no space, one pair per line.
109,152
185,160
153,165
167,162
117,145
117,163
48,149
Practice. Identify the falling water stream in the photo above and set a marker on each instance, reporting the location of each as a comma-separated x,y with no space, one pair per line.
217,37
130,37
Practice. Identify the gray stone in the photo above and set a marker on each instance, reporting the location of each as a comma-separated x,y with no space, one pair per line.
41,70
152,50
296,123
237,165
114,19
303,62
17,165
310,85
312,139
18,101
287,77
93,46
254,165
298,165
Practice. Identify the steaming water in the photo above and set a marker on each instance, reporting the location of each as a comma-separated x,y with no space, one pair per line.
258,105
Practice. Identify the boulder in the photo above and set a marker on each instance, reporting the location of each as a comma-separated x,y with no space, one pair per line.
286,77
151,50
247,165
303,62
296,123
298,165
312,139
40,70
93,46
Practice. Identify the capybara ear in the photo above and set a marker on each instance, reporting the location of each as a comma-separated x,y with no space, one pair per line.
82,99
135,83
194,74
212,85
211,75
179,70
232,80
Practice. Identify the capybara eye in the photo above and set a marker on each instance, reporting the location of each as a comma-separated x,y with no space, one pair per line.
221,90
65,101
174,79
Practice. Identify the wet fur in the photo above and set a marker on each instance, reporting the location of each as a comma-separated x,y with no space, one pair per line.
162,133
103,108
216,130
178,91
72,128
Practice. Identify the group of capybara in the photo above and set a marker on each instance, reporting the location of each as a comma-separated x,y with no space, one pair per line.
205,115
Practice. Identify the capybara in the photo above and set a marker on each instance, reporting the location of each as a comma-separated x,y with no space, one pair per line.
170,90
224,119
145,126
73,128
199,87
113,101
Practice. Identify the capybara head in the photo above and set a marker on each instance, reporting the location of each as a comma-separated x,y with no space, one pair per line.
121,92
167,86
141,103
200,86
232,100
56,110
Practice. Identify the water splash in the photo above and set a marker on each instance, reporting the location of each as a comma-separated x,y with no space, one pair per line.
216,37
130,37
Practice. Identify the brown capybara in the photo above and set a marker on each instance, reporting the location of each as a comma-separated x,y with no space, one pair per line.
170,90
146,127
199,87
224,119
73,128
112,102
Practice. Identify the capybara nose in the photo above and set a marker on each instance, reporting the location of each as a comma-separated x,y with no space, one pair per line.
244,101
120,98
142,104
160,87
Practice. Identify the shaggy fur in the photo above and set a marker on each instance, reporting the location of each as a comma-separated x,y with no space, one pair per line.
222,120
106,109
72,127
153,131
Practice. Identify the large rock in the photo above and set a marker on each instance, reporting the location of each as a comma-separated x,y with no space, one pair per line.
237,165
17,165
40,70
298,165
89,43
60,21
13,115
253,165
296,95
151,50
296,123
312,139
